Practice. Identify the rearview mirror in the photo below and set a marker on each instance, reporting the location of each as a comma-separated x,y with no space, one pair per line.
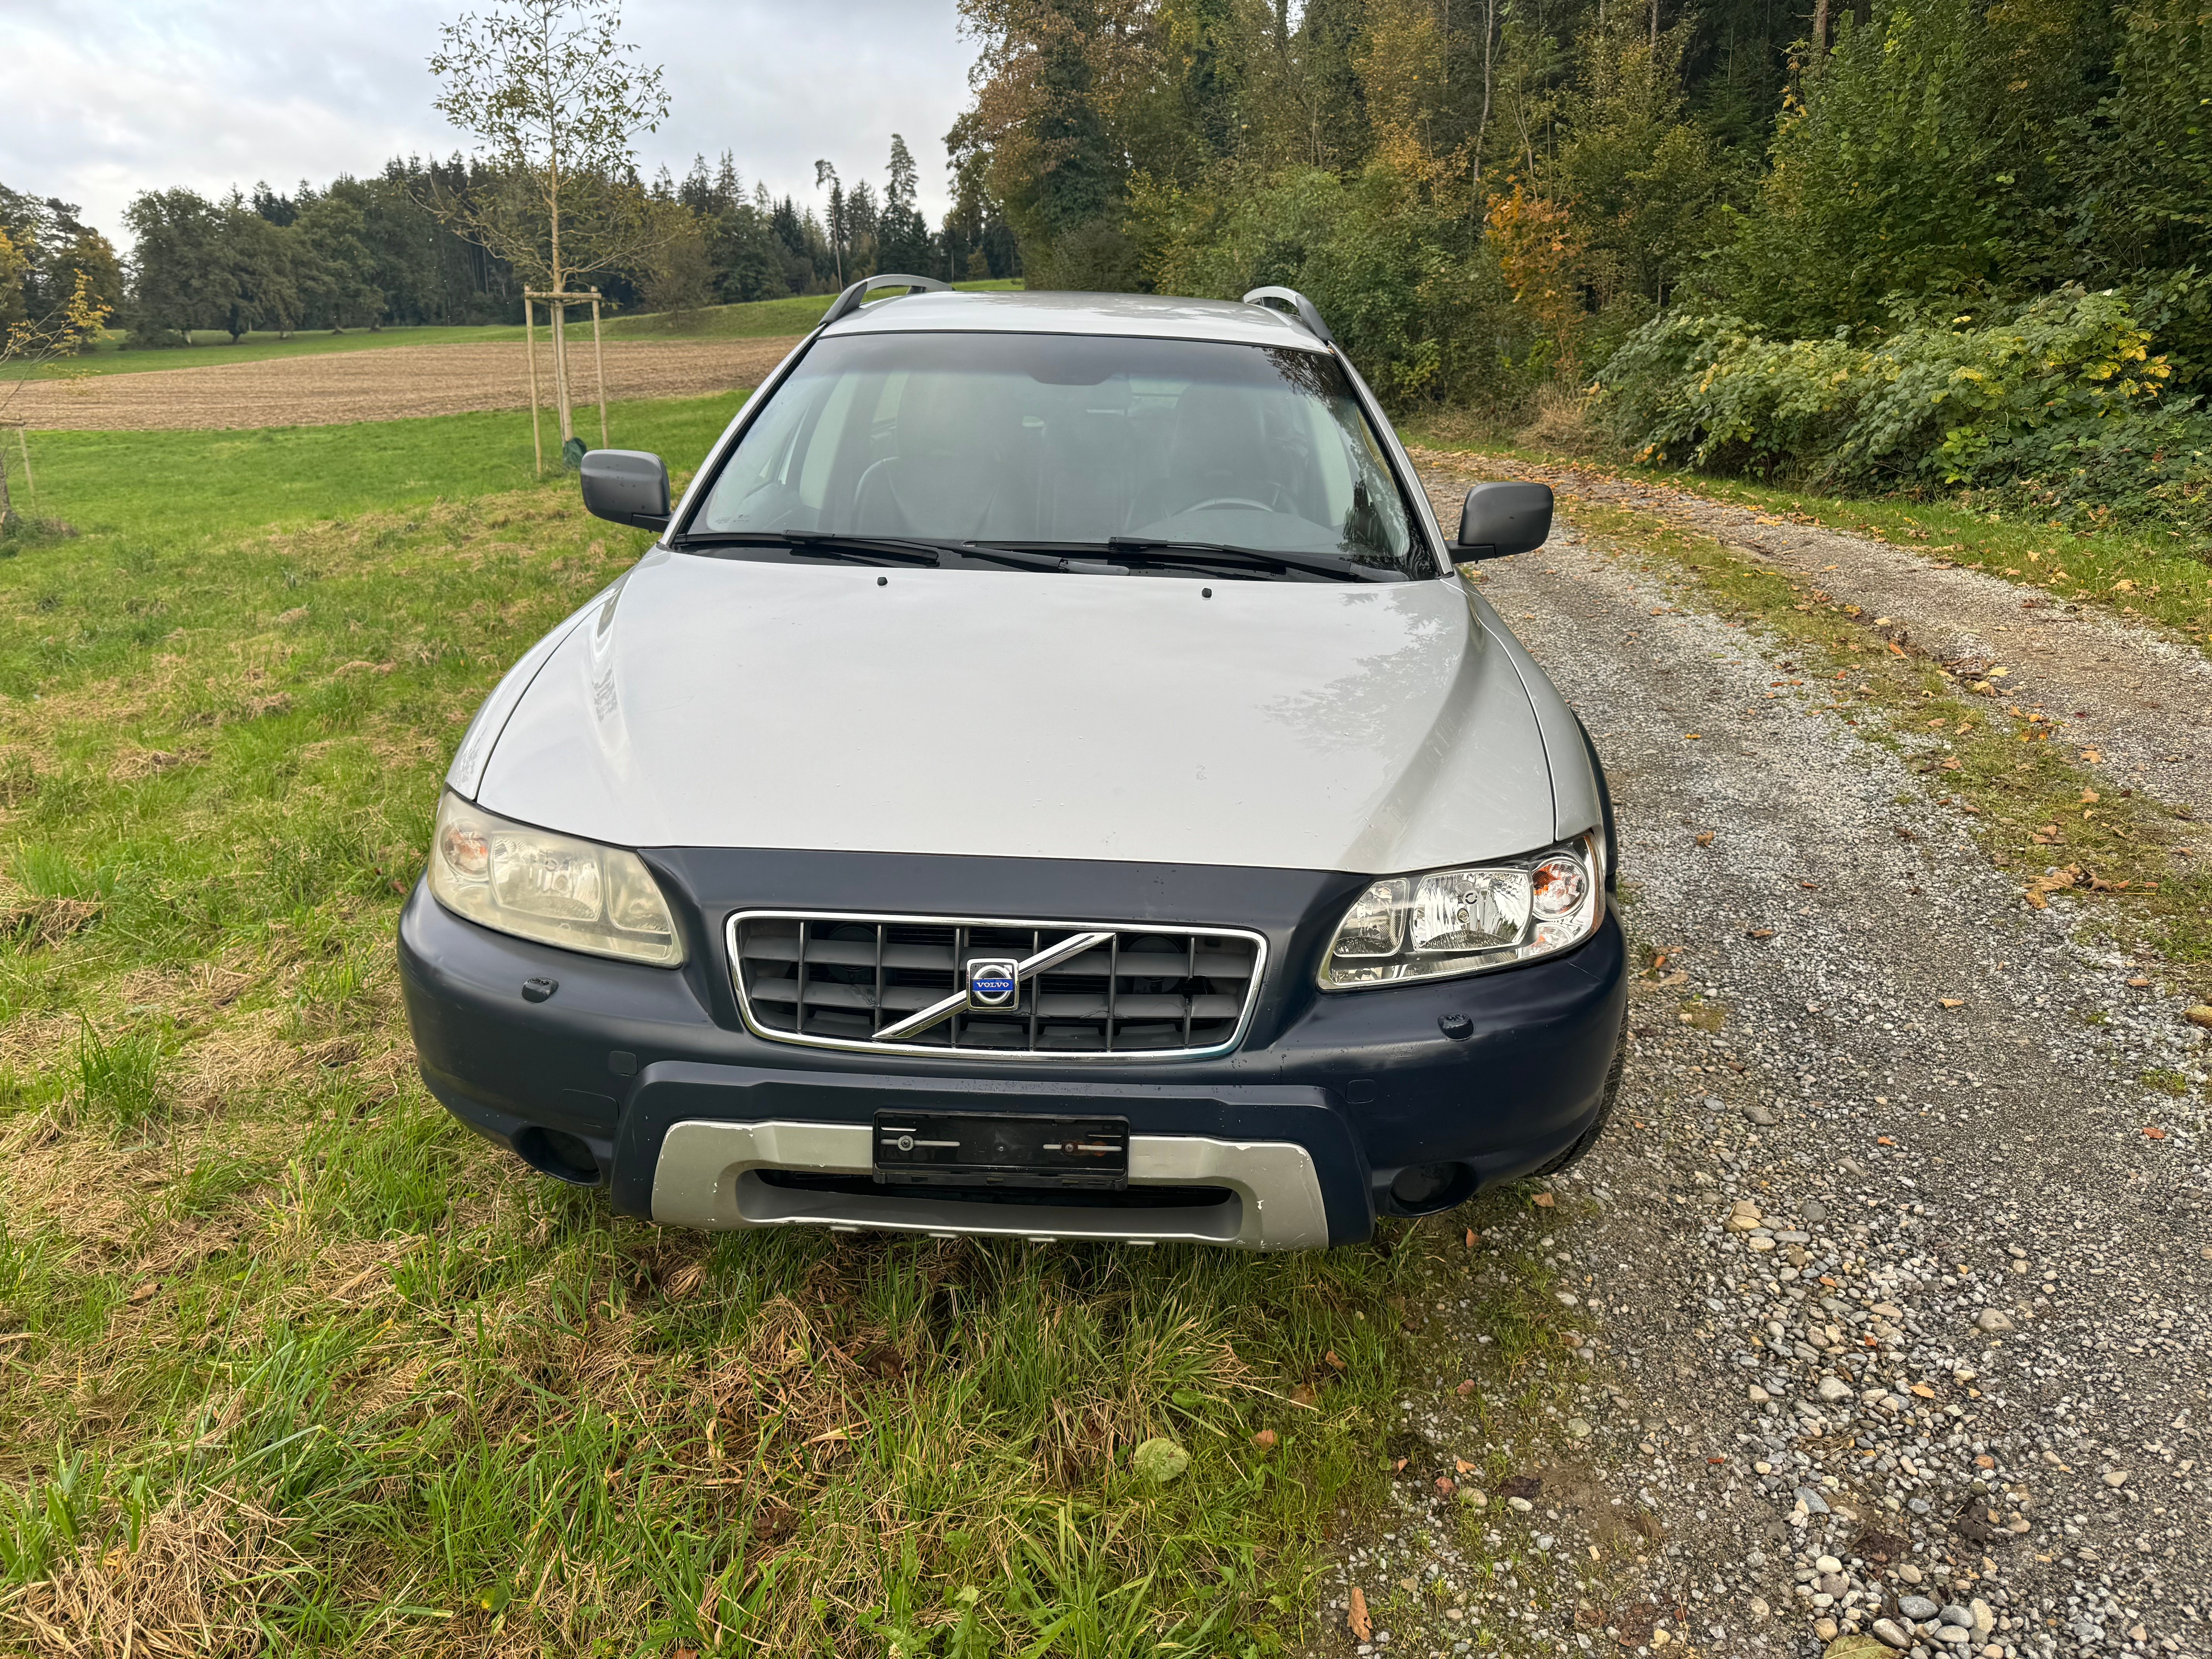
629,486
1502,518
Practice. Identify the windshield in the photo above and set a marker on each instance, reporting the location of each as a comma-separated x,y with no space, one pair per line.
1119,449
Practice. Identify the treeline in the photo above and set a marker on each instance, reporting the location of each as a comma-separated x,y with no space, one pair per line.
384,251
43,244
1938,244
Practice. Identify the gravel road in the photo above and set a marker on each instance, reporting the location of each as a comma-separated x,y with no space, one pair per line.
2135,693
1901,1312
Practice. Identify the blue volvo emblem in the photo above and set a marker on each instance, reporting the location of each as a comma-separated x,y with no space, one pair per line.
994,984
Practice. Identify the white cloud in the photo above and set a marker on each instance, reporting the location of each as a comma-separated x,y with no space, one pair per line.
210,93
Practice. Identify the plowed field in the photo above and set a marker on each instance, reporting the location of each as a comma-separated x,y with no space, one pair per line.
386,385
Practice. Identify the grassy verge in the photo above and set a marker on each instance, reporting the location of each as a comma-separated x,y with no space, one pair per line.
2007,766
2153,577
289,1360
163,483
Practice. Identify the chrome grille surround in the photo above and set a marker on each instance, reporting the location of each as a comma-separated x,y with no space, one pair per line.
1150,992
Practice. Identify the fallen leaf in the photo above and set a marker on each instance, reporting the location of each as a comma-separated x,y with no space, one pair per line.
1895,649
1950,1002
2137,983
1400,1466
1884,1140
1544,1201
1465,1390
1760,933
1362,1626
1470,1239
2154,1135
1159,1461
139,1293
1306,1396
1922,1390
1335,1358
1265,1440
1462,1465
2092,755
1705,838
1691,736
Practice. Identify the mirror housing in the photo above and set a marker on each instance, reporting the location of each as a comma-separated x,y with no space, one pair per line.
1500,520
627,486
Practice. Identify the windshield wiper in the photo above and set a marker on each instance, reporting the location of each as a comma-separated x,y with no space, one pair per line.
1152,550
915,549
830,544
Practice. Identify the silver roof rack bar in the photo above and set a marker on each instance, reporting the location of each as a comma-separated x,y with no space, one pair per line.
849,301
1308,313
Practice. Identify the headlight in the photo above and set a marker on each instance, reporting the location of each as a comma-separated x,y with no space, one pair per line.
1461,921
554,888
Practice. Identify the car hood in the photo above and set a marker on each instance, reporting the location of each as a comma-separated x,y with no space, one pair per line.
713,702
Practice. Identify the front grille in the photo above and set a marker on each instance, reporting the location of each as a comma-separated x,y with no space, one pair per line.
836,981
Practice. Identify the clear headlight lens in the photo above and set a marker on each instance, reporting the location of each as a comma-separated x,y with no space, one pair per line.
554,888
1461,921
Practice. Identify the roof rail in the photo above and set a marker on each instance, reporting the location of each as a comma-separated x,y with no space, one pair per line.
849,301
1308,312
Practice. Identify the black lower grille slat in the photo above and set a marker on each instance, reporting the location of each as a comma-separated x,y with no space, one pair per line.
1143,990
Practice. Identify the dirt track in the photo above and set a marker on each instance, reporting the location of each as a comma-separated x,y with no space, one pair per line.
391,383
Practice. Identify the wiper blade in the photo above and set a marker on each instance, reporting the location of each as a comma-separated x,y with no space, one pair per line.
1160,549
830,544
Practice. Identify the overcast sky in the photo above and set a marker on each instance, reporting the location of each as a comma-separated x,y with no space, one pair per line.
95,107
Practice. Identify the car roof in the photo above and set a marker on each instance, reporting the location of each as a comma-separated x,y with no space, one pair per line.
1137,315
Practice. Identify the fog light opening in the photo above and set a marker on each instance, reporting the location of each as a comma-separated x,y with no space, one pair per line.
1425,1188
557,1153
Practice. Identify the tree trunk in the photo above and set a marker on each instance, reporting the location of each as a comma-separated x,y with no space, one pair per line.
561,371
1655,28
1482,126
7,506
1819,29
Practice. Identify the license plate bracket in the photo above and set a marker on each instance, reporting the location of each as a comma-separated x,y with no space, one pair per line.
992,1149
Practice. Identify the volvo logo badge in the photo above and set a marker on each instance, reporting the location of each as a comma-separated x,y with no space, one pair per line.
994,984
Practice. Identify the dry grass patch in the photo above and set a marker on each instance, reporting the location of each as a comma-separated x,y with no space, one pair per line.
191,1586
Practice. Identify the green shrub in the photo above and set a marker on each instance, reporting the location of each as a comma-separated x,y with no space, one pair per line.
2062,405
1424,320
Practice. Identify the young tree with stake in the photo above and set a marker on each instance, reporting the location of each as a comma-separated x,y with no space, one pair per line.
556,95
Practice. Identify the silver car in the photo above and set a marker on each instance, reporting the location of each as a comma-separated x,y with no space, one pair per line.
1049,779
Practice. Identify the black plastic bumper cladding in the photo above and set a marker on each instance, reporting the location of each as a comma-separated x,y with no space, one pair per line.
1366,1080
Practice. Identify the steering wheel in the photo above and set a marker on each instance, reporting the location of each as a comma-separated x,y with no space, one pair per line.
1230,500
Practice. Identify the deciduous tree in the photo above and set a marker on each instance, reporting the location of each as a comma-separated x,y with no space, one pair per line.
557,98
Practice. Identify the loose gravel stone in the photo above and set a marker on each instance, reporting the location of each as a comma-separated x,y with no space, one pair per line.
1894,1343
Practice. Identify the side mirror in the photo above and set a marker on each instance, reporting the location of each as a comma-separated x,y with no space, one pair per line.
627,486
1498,519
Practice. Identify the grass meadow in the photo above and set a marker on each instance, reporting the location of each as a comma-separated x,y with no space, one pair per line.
291,1363
754,320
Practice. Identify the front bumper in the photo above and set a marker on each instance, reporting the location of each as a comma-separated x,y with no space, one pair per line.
1294,1139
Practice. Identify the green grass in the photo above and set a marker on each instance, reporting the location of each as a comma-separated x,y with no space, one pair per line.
2153,577
110,355
755,319
282,1348
150,484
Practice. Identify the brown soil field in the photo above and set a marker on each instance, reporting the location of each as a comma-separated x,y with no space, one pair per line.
390,384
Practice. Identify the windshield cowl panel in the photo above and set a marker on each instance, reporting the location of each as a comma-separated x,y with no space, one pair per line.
1078,445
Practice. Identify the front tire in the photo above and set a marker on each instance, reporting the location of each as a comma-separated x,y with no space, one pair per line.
1578,1147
